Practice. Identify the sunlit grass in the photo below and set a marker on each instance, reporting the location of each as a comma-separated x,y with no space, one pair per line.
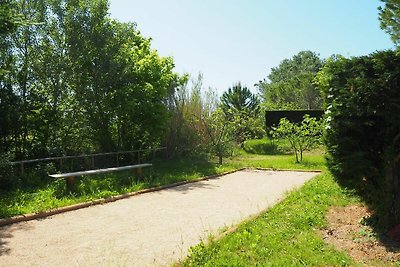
285,235
54,194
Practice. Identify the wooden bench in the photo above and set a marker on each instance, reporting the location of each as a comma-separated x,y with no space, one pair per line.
70,176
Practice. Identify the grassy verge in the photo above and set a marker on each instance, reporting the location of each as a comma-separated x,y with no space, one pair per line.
285,235
52,194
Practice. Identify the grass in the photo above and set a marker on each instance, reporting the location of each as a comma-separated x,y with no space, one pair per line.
51,194
285,235
266,146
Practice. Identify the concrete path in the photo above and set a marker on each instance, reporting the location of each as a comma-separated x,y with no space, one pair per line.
152,229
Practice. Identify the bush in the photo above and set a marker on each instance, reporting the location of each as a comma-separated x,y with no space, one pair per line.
261,146
6,172
362,97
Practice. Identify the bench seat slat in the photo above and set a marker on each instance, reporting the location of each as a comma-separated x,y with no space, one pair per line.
89,172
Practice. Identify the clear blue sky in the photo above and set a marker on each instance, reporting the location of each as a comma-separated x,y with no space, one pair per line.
241,40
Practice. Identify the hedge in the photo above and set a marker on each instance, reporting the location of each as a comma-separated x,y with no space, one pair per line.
362,101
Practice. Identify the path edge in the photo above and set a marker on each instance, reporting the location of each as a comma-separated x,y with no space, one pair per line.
44,214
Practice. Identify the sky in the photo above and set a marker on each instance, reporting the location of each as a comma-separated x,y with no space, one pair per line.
231,41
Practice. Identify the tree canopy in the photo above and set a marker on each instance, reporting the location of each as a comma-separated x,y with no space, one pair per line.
9,18
239,98
389,16
290,85
242,108
78,81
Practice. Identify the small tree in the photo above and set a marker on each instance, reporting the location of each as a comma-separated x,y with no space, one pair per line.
302,137
241,107
219,134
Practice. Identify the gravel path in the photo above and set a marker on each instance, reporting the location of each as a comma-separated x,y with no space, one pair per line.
152,229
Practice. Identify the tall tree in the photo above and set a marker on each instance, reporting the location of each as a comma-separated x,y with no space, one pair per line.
239,98
9,18
389,15
241,107
290,85
78,81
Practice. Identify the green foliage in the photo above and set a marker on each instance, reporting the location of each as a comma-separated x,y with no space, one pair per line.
38,193
9,18
6,172
389,17
290,85
219,134
362,100
267,146
242,109
78,81
187,105
302,137
284,235
260,146
239,98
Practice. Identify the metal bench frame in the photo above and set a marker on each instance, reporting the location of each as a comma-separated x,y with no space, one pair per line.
70,176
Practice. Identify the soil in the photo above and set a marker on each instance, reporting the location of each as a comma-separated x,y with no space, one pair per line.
348,230
152,229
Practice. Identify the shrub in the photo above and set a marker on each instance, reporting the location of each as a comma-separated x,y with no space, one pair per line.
261,146
362,97
6,172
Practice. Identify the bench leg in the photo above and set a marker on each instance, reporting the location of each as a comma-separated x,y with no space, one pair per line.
70,183
139,172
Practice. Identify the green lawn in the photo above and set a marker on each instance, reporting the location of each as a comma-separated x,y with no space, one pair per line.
53,194
285,235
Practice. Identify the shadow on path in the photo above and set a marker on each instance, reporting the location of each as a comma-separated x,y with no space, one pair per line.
6,233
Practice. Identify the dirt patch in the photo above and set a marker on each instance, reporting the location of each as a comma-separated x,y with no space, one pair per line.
348,230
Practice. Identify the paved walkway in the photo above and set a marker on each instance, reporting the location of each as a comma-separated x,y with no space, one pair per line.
152,229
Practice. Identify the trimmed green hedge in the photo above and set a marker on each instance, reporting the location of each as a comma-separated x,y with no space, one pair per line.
362,100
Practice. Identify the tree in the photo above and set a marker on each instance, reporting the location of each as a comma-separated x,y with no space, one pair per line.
218,133
239,98
389,16
302,137
241,107
290,85
187,105
78,81
9,18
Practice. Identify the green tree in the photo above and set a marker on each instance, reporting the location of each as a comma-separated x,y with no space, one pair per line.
120,82
389,16
242,108
218,134
239,98
78,81
9,18
302,137
290,85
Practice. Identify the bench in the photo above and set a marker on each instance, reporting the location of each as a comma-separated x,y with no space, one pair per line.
70,176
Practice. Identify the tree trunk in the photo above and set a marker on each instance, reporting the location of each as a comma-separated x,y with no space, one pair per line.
297,156
219,158
393,189
396,191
